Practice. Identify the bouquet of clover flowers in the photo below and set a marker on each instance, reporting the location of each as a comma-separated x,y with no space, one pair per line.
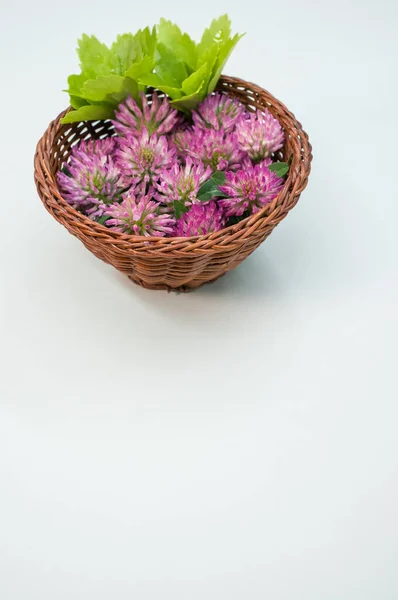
186,162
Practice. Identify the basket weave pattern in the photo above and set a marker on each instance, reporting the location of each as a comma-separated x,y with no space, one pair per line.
174,263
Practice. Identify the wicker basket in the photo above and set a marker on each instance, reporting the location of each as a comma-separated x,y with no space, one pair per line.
174,263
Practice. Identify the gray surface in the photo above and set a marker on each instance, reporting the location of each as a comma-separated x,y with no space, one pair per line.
239,442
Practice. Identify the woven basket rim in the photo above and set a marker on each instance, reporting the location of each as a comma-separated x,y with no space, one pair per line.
294,185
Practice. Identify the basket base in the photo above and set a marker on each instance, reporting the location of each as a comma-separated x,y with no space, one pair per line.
182,288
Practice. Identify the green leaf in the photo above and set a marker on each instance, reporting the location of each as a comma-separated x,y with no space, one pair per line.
75,84
170,67
141,68
102,220
234,220
146,39
134,55
210,194
123,53
218,177
210,188
187,103
210,56
219,31
77,102
155,81
179,208
97,90
89,113
181,44
94,56
224,54
131,87
110,89
280,168
194,82
216,44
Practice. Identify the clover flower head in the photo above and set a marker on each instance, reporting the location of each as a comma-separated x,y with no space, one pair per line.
139,216
154,116
215,149
218,112
200,219
182,182
259,134
249,190
143,158
91,180
95,147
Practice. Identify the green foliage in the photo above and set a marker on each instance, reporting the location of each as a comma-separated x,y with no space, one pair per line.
88,113
280,168
209,189
164,58
108,75
179,208
188,71
102,220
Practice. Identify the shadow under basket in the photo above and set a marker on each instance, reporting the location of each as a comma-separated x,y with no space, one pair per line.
179,264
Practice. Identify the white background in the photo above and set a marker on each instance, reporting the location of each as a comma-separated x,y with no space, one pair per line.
239,442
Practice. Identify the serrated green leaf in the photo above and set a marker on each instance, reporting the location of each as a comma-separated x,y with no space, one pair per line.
89,113
110,89
94,56
170,67
223,55
141,68
210,57
171,36
195,82
75,84
218,32
133,55
147,39
123,53
279,168
153,80
97,90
